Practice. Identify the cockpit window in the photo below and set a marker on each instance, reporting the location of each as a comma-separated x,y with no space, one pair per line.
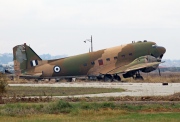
154,46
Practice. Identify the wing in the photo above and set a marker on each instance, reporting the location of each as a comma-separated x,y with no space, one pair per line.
39,76
126,69
137,64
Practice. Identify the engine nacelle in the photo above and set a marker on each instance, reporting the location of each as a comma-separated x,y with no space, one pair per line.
129,74
148,69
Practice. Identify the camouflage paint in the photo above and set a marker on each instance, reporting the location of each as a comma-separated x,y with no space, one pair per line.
20,59
80,65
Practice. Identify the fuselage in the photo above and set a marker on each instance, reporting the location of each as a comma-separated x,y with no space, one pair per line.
98,62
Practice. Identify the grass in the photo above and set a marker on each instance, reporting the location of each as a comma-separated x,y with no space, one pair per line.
83,111
99,117
94,112
153,77
166,77
60,91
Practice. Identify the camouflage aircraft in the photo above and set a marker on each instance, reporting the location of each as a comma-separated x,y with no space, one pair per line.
106,64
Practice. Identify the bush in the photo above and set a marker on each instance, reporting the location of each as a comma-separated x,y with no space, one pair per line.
61,107
20,109
3,83
108,105
90,106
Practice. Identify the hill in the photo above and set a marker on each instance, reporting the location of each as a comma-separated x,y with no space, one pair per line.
7,58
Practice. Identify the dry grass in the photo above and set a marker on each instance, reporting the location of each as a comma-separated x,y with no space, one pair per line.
3,84
57,91
166,77
115,117
21,81
44,94
134,99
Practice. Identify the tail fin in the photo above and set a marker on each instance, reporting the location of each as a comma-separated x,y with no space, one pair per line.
24,58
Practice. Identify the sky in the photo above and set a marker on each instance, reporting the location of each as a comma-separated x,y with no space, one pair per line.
59,27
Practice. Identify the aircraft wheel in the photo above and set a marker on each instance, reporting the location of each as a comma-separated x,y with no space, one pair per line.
117,77
108,78
92,78
99,78
139,78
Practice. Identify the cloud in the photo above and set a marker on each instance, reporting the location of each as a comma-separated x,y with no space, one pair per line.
125,13
66,23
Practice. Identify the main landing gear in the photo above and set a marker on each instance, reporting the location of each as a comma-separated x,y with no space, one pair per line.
138,76
111,78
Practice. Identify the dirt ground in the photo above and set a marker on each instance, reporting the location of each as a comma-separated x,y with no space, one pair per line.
175,98
166,77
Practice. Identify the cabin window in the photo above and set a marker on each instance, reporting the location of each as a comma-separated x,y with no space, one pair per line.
85,64
100,62
123,56
107,59
115,58
93,63
130,54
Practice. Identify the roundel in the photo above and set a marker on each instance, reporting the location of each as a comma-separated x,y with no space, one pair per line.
57,69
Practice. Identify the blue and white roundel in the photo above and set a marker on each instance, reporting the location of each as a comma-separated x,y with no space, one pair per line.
57,69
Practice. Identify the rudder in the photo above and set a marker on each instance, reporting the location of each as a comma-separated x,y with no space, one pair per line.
24,58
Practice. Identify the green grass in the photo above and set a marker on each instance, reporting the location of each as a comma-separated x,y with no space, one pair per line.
153,117
97,117
60,91
89,112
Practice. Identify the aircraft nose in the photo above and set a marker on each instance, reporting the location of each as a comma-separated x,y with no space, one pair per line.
161,51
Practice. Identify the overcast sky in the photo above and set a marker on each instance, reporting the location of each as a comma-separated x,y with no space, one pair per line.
60,26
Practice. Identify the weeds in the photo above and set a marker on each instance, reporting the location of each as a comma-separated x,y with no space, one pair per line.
63,107
3,86
166,77
3,83
59,91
